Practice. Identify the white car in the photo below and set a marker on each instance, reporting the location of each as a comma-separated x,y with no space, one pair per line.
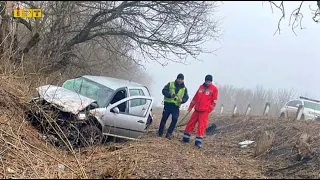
96,106
311,109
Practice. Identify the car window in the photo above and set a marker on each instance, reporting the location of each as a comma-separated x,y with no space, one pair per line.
89,89
288,103
140,113
137,102
312,105
73,84
292,103
299,102
121,94
295,103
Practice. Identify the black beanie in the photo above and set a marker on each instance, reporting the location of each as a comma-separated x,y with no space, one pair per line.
180,76
208,78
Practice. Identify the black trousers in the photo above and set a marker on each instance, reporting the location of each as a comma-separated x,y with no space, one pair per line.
168,109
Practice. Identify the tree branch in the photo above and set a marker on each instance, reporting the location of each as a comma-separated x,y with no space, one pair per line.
155,29
25,23
298,16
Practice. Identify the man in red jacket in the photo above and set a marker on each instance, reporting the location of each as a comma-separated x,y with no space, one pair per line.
204,101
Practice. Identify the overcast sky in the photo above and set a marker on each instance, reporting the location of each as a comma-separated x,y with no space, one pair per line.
250,54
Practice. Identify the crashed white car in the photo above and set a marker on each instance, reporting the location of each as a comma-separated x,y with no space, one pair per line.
92,106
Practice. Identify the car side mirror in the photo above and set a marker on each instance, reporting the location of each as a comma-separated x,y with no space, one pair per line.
115,110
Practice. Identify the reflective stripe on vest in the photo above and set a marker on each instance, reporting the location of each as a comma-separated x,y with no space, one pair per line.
180,94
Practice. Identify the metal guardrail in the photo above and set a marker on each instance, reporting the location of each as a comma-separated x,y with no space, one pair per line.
222,110
233,111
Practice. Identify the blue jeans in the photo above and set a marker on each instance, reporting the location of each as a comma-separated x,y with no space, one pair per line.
168,109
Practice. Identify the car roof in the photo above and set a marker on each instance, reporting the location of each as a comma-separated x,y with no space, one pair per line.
112,83
303,100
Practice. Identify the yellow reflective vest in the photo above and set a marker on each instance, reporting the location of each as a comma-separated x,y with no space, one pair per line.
180,94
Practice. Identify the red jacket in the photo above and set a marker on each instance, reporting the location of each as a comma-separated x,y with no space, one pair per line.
205,99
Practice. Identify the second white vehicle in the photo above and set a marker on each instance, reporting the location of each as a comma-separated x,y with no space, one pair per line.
311,109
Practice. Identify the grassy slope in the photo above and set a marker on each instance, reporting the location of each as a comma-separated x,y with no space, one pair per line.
24,154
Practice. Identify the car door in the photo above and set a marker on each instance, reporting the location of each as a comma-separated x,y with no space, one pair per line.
293,108
288,108
126,124
137,106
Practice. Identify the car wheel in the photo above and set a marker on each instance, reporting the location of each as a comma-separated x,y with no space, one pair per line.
282,116
302,117
90,135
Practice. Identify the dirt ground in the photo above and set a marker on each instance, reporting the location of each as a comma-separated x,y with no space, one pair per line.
24,154
221,156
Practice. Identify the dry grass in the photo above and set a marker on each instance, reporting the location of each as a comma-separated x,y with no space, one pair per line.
280,160
303,147
264,143
24,154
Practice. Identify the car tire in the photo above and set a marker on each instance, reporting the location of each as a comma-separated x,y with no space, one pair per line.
282,116
302,117
90,135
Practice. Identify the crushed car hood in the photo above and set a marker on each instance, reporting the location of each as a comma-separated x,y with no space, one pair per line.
65,99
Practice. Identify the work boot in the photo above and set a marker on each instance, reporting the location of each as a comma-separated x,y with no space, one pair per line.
159,134
169,136
198,141
197,144
186,137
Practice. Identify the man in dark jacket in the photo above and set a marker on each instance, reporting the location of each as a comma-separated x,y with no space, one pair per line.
175,93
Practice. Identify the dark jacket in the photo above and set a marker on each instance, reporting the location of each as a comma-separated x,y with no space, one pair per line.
166,92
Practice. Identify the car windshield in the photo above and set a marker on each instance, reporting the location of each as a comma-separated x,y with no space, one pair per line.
89,89
312,105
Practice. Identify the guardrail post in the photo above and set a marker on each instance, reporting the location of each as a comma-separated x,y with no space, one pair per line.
248,110
299,112
221,110
235,108
266,109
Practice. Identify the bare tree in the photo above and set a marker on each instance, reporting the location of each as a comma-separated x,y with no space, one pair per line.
296,16
41,42
154,29
257,98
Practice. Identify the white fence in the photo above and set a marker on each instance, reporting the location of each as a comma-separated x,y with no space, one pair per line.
234,110
230,110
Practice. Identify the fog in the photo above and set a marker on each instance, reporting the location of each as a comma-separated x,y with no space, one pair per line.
249,53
